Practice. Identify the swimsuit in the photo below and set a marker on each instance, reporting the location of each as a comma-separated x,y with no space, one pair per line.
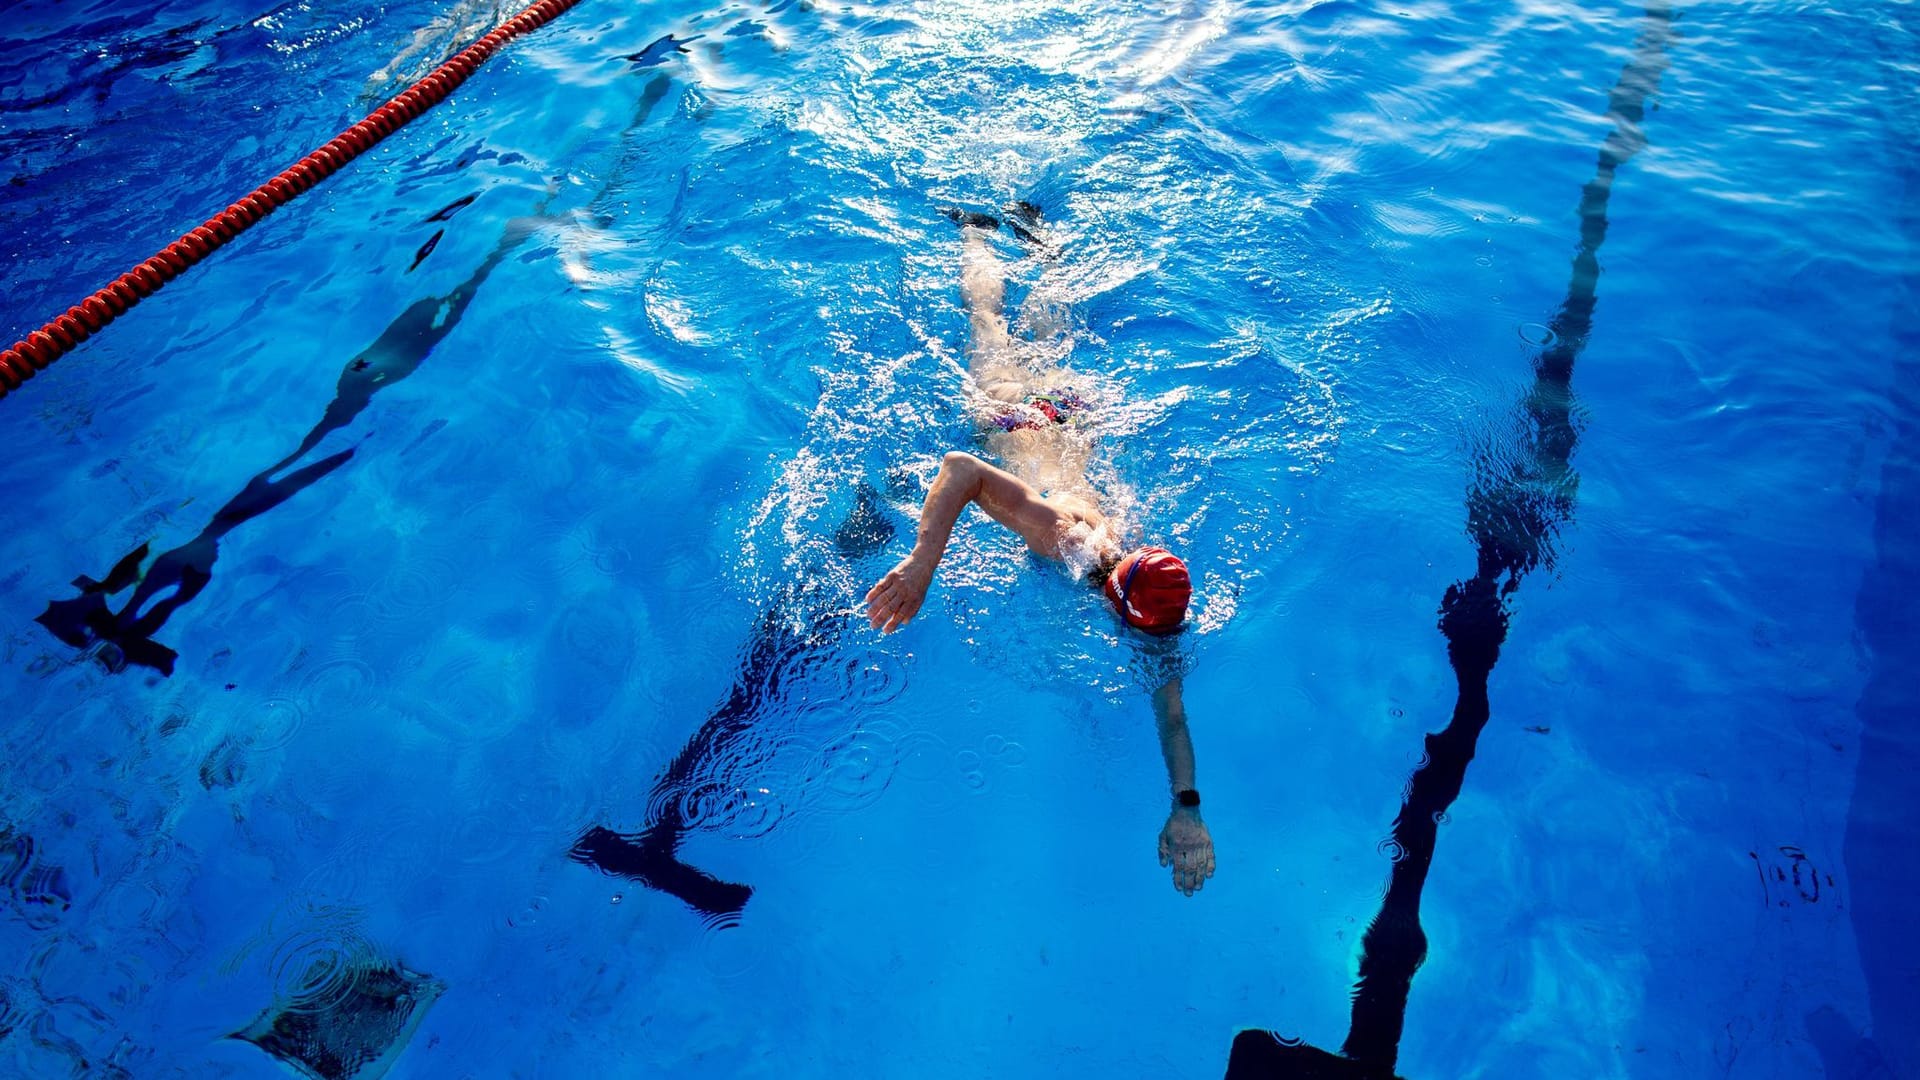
1056,406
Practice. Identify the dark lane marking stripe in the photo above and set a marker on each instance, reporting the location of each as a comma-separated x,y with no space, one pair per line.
1514,510
1878,852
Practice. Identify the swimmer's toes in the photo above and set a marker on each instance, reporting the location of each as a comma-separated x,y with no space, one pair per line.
966,218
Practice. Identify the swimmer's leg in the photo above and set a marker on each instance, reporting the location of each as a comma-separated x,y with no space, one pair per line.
990,353
983,288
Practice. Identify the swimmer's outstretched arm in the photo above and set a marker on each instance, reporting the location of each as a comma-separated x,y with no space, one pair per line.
1185,843
962,479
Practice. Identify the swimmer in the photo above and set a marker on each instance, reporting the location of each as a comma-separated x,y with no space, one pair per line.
460,25
1034,421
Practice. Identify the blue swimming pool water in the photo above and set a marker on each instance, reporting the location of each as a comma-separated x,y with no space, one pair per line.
705,308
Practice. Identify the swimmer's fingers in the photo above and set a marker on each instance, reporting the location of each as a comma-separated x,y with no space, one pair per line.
882,599
876,605
1192,863
890,604
883,614
1200,868
1182,879
1196,874
905,607
896,598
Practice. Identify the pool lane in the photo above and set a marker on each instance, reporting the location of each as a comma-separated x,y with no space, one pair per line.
1879,835
1514,512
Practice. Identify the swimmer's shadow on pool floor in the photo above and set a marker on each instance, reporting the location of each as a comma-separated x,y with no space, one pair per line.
799,630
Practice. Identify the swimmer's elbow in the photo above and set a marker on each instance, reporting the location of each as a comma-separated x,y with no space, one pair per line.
964,470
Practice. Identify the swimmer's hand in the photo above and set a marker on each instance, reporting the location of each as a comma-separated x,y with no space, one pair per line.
896,598
1187,846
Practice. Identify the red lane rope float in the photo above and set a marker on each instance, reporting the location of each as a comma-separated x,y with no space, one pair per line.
81,321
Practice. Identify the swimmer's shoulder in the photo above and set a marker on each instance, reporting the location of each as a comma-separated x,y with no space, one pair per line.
1075,506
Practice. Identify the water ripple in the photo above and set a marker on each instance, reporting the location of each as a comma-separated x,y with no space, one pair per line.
413,589
314,971
337,687
853,771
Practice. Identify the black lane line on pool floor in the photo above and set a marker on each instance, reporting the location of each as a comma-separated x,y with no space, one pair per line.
1514,510
797,634
178,575
1878,854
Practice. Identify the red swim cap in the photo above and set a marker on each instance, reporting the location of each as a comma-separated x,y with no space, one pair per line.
1150,589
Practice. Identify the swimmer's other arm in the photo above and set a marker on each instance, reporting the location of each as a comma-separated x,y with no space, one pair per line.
962,479
1185,843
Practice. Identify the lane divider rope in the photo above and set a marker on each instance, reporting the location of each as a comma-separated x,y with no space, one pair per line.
63,334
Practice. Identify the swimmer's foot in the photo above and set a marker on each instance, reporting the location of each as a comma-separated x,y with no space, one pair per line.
1023,218
969,219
